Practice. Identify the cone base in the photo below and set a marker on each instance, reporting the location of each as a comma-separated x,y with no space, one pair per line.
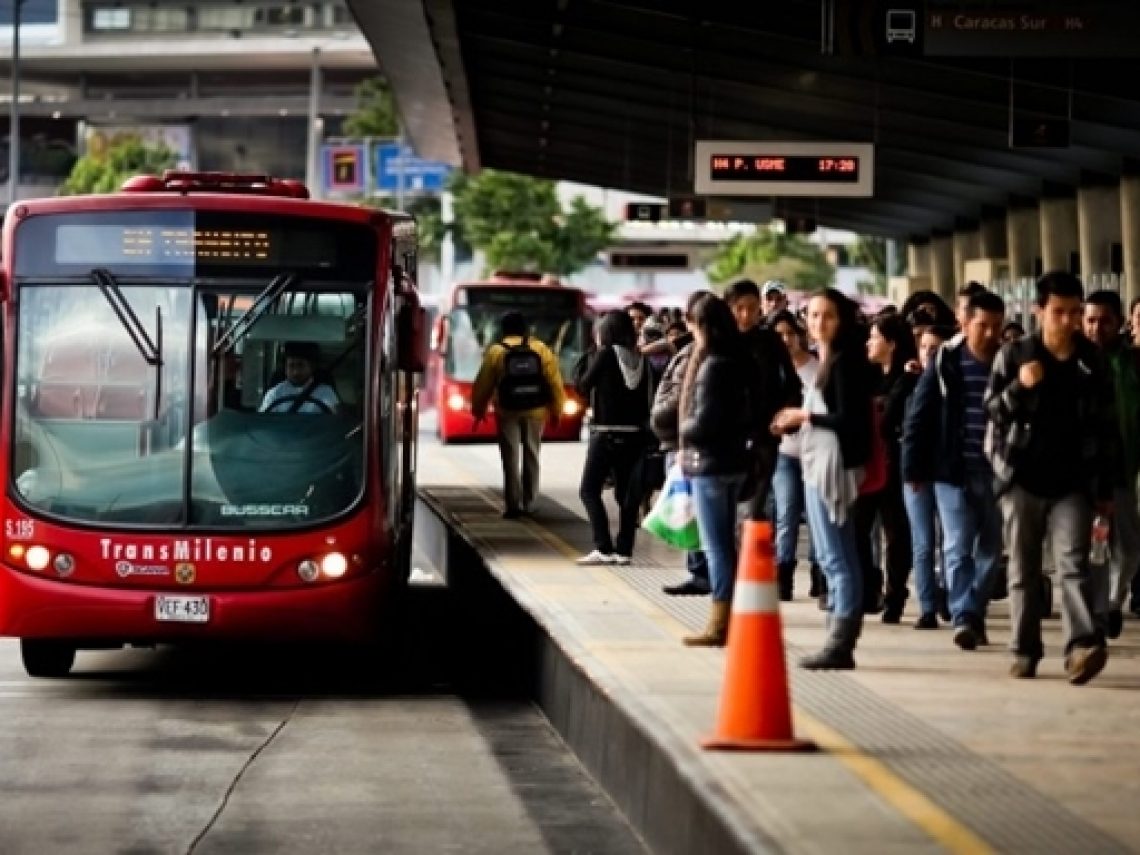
718,743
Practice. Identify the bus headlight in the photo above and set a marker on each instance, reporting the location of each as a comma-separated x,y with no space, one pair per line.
456,402
37,557
334,565
308,570
571,407
64,564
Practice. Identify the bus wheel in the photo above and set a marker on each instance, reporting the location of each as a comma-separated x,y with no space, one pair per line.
44,658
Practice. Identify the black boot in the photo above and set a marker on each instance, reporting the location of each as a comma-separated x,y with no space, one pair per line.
817,582
786,573
838,652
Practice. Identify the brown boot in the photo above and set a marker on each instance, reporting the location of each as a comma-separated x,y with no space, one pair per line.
716,633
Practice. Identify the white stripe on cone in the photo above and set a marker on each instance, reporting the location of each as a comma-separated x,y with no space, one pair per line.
755,598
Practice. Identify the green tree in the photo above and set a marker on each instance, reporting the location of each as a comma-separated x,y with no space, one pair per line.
766,254
124,159
375,114
871,252
520,223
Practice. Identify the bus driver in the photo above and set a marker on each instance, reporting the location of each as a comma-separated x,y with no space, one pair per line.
300,391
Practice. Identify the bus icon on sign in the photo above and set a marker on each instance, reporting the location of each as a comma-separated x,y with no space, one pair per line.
900,25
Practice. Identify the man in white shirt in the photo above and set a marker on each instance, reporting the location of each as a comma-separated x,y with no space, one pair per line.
299,392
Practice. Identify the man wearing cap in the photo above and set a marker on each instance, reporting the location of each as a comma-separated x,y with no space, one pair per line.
775,299
300,391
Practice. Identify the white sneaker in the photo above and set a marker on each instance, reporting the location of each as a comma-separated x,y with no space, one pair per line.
620,560
594,558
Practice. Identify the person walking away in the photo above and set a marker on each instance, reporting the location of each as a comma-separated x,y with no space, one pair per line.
890,348
716,425
1103,321
616,379
773,385
836,418
521,375
1052,441
788,481
943,440
665,422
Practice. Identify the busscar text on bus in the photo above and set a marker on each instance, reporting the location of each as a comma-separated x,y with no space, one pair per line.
209,416
468,322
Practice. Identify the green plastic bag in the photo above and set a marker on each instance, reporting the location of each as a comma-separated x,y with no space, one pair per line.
674,514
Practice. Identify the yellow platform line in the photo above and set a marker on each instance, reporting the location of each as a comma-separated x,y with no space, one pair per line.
909,801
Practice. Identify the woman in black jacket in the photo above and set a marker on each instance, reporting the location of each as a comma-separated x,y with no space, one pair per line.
836,446
715,429
891,350
615,377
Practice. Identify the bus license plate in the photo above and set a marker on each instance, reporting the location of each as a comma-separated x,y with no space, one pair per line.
182,609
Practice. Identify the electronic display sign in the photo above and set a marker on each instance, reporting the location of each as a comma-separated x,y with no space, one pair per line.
769,168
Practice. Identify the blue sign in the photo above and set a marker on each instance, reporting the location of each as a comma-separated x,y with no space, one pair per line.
398,168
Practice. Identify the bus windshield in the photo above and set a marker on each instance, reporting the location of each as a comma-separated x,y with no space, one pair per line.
273,415
555,317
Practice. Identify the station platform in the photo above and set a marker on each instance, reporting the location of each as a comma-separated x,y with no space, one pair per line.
924,747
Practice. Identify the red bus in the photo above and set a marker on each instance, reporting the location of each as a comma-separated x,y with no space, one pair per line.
173,471
558,315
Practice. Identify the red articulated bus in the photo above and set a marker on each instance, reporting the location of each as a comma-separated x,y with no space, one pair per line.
209,416
556,314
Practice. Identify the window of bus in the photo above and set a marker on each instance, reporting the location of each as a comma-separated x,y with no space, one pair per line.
553,317
263,366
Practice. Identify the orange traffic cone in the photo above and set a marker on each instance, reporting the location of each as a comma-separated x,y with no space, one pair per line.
755,710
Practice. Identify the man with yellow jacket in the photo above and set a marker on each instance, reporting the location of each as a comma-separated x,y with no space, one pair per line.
522,376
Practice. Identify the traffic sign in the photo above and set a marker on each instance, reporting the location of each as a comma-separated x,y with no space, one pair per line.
344,168
399,170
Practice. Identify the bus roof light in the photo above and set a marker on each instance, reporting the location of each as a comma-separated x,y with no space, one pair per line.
216,182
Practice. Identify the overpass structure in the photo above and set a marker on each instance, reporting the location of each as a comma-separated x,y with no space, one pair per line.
1008,137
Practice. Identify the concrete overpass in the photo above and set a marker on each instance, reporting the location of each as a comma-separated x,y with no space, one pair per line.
616,92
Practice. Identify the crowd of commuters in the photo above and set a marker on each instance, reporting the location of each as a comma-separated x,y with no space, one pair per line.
941,440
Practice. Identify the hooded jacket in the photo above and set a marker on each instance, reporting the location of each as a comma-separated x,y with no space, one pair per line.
665,417
616,381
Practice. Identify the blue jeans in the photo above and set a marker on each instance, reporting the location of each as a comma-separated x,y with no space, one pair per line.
838,557
695,561
920,511
788,490
972,538
715,497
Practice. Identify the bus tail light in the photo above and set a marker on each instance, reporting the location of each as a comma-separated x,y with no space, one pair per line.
571,407
456,402
37,557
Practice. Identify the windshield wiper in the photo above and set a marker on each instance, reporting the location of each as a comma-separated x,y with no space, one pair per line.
254,313
111,291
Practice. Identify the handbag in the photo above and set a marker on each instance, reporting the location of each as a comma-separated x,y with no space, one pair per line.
674,515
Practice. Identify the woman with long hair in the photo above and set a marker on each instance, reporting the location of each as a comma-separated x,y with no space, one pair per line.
616,378
891,349
836,444
715,429
788,480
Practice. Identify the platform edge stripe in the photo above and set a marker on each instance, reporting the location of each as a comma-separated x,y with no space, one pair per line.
905,798
755,598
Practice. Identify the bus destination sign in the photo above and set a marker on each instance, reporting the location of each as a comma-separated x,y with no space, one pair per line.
755,168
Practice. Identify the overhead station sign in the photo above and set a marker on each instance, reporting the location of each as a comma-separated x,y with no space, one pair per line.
770,168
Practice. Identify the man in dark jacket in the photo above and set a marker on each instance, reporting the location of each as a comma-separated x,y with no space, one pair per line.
774,386
1052,440
943,438
665,422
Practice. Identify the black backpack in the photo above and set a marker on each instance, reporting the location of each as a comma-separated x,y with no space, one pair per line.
523,385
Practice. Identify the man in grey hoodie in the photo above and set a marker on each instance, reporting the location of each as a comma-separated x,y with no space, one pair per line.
616,378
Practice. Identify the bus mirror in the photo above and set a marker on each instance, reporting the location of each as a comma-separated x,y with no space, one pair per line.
411,335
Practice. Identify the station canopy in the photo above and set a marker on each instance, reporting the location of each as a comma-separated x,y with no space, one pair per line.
992,111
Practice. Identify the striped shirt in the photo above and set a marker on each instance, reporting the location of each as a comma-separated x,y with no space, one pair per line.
975,376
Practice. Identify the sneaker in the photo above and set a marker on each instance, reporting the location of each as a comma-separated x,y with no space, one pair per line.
965,637
928,620
1023,668
1115,623
594,559
620,560
1084,663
